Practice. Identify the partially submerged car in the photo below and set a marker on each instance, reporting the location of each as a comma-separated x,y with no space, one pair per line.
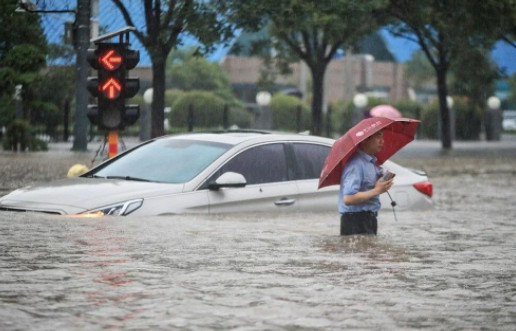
209,173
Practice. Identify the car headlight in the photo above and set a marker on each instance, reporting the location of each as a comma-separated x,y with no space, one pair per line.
118,209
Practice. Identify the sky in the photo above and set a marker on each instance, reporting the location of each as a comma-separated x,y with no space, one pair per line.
503,54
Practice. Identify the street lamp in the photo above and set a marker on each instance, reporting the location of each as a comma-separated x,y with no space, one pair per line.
494,103
360,102
264,116
145,116
493,119
449,102
451,111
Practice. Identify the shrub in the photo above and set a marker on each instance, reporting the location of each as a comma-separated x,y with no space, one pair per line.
430,118
171,96
240,117
341,116
409,108
285,113
468,120
19,138
208,111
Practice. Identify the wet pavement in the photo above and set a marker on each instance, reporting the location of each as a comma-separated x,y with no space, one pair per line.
453,267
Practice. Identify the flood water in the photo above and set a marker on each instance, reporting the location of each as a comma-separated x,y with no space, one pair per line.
453,267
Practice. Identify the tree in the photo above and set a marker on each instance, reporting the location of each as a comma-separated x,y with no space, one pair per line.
312,31
445,31
418,70
189,72
22,54
500,16
165,22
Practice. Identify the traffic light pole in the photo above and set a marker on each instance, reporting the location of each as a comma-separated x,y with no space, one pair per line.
80,142
113,85
113,143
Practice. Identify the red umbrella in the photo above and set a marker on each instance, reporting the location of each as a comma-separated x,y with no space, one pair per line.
397,132
384,111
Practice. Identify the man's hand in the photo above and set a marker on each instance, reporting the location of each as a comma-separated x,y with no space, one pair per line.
383,186
360,197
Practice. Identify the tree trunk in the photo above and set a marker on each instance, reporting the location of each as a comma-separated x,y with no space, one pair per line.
318,94
442,90
158,96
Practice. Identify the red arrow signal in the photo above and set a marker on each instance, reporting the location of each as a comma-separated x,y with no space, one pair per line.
111,88
110,60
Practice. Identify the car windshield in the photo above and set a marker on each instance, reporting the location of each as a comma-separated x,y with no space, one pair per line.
165,160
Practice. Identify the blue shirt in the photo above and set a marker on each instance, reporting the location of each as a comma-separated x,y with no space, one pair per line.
360,174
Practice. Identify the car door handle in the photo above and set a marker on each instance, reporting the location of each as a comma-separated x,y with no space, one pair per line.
284,202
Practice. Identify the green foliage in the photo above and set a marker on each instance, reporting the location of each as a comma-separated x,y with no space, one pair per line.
312,31
429,127
341,116
187,71
165,22
468,119
7,110
171,96
449,34
208,111
285,113
22,47
47,114
418,70
18,137
49,93
240,117
195,73
409,108
478,84
25,58
7,80
342,113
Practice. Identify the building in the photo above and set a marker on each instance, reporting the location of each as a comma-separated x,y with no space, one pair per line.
372,71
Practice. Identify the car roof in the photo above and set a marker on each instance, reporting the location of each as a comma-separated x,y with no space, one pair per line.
238,137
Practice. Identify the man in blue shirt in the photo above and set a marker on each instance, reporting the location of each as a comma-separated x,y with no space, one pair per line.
360,187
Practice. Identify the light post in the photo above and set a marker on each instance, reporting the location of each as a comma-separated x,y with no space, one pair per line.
449,103
493,119
145,118
360,102
264,116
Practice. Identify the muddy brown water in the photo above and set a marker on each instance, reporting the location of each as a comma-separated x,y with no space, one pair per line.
453,267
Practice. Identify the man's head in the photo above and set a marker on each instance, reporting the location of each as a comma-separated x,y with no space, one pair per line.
372,144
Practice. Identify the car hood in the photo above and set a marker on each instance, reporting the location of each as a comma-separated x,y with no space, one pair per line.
76,195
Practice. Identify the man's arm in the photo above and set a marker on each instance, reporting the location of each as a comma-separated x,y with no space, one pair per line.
359,197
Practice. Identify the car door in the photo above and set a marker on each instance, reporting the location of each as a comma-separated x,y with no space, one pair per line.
268,188
308,160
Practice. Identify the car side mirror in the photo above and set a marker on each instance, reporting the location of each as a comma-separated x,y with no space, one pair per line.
228,179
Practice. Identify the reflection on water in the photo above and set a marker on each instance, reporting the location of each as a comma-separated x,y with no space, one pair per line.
449,268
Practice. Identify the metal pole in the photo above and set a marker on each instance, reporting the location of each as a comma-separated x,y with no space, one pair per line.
80,142
113,143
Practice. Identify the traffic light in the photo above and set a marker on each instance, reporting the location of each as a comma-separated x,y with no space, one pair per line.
112,86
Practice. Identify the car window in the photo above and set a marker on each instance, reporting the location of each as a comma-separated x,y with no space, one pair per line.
260,164
165,160
309,160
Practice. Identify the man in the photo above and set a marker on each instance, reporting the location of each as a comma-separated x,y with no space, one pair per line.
360,187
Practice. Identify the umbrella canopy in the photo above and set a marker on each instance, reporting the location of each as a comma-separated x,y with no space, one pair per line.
384,111
397,132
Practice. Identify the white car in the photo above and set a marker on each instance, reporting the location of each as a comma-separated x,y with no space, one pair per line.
209,173
509,120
